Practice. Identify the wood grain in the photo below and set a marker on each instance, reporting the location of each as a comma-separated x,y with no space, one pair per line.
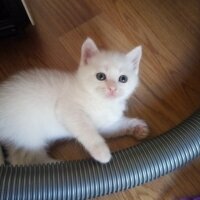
170,69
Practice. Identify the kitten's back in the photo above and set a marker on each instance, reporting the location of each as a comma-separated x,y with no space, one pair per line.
27,102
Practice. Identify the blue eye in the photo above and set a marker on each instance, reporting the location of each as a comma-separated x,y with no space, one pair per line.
101,76
123,79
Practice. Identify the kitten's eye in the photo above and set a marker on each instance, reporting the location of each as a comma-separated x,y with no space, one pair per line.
123,79
101,76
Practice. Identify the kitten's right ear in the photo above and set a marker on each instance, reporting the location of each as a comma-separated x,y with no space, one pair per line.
135,56
88,50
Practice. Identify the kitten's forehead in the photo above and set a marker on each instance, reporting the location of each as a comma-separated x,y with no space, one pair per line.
109,61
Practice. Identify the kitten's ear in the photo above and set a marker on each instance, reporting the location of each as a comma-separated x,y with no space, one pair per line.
88,50
135,56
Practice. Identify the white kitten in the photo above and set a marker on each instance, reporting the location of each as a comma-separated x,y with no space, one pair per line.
40,106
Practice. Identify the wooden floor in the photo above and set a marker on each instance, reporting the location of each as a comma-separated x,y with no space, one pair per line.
169,31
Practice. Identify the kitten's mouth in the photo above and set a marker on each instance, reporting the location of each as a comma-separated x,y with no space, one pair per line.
111,94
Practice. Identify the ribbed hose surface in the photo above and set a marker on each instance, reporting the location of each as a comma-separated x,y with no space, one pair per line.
87,178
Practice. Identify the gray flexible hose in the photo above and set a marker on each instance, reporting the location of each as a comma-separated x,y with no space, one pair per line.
86,179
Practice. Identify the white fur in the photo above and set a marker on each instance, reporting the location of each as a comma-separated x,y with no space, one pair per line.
39,106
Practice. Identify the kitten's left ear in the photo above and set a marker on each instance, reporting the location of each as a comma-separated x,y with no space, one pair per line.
88,50
135,56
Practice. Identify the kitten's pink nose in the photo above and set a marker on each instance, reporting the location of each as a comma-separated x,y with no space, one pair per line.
112,89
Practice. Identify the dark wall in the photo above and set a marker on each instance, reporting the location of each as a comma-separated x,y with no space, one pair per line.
13,18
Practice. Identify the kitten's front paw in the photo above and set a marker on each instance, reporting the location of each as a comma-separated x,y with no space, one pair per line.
101,153
140,129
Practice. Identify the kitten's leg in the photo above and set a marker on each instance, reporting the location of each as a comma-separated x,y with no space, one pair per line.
87,135
128,126
25,157
84,131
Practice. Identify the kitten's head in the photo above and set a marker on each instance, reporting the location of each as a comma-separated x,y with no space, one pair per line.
107,74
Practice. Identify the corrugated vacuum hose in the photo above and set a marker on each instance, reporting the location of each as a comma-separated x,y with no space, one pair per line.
86,178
